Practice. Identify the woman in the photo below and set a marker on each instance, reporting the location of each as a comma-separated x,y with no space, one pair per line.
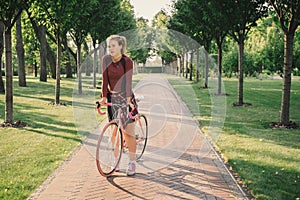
117,88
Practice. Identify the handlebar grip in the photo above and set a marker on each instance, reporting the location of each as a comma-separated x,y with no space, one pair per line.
110,104
131,116
99,107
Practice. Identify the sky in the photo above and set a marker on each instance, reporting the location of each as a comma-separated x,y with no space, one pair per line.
148,8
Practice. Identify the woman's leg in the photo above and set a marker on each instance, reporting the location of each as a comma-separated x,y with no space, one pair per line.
114,142
130,140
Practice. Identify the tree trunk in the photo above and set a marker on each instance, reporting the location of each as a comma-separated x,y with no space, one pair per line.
183,61
191,66
40,33
43,53
286,88
69,73
180,65
186,65
241,72
95,66
206,69
20,53
9,118
51,60
2,90
219,68
198,65
42,39
78,69
58,58
35,69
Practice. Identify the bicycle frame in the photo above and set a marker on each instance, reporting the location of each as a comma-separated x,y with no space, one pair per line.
141,137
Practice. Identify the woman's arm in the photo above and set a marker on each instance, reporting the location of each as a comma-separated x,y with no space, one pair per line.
104,77
129,71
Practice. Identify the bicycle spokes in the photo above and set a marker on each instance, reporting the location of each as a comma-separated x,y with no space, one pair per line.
109,149
141,133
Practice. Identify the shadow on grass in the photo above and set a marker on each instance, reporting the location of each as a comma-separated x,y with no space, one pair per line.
37,122
271,178
262,131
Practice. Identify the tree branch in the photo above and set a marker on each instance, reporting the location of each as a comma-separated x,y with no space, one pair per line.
278,10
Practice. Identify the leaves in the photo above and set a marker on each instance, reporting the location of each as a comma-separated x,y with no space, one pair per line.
288,13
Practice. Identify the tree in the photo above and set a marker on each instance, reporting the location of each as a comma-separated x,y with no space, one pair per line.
125,18
57,12
216,11
68,53
144,35
36,16
191,18
81,12
242,16
20,53
176,23
9,13
180,21
160,19
2,90
31,45
289,17
102,24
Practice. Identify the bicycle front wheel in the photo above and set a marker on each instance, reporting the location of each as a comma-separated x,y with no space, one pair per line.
141,135
109,149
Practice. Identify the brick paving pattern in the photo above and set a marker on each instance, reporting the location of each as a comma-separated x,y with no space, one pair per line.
179,162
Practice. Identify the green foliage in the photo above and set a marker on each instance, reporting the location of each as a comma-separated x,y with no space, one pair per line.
288,13
167,56
9,10
141,47
190,17
265,44
263,50
31,45
78,20
230,62
160,20
243,15
110,17
296,53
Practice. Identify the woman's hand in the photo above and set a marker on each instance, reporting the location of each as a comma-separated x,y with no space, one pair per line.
130,104
103,101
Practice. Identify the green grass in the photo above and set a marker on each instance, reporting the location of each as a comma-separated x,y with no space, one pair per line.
266,159
29,155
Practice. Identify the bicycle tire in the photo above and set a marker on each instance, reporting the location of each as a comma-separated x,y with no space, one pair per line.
109,149
141,133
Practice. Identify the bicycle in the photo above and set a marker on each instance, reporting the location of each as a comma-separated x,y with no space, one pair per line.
111,143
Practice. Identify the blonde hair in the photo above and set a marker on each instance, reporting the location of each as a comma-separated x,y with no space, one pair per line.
121,41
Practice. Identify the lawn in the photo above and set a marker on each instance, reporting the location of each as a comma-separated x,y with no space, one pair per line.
267,160
29,155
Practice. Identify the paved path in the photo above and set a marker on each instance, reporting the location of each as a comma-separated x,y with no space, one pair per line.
178,163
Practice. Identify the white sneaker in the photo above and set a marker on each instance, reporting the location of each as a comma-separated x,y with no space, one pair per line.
131,168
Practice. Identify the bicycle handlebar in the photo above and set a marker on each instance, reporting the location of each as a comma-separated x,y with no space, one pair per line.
99,107
110,104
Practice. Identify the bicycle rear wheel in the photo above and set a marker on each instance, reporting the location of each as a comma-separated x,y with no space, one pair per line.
109,149
141,135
